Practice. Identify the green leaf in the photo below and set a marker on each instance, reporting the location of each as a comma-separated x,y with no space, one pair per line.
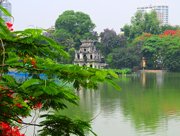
4,31
5,11
112,73
55,46
101,74
115,85
9,80
30,82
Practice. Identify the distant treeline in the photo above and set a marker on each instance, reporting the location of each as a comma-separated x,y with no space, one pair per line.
144,39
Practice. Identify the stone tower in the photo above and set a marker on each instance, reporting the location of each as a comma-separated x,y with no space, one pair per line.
88,55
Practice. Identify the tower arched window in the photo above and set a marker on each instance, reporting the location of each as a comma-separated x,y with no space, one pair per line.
85,57
91,57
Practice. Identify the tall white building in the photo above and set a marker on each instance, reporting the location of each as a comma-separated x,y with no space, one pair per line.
7,5
161,10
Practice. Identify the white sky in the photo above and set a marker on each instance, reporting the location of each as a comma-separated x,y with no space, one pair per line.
112,14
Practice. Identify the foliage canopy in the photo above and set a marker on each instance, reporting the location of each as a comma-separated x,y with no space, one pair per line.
47,85
73,26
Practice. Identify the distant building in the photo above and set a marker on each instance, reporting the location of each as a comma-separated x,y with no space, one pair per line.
89,56
161,10
7,5
48,32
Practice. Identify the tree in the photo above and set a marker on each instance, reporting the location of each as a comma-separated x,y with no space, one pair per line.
70,28
152,50
110,40
161,51
124,58
169,27
78,25
47,85
171,60
151,23
142,23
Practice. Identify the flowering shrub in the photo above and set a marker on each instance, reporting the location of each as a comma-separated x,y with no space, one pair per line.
173,33
31,52
169,32
7,130
10,100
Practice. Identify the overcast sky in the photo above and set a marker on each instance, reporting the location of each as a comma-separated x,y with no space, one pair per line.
112,14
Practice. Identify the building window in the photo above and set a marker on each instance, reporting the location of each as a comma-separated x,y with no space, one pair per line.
85,57
78,56
91,57
84,49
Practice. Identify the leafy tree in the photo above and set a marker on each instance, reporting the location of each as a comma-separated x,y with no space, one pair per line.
110,40
169,27
142,23
77,25
155,42
172,59
152,51
70,28
127,30
161,51
172,52
151,23
47,85
124,58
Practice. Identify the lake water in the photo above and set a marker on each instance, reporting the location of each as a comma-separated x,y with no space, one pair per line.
147,105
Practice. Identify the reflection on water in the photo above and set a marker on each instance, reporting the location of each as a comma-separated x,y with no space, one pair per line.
149,104
158,79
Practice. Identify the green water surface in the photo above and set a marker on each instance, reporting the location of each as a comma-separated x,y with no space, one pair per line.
147,105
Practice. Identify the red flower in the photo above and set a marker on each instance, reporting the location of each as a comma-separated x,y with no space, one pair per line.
4,125
11,29
33,62
11,92
9,26
38,105
170,32
19,105
7,130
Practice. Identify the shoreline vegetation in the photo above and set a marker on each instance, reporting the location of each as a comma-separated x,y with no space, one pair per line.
145,42
127,71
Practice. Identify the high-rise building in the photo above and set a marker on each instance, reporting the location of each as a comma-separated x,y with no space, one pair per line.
161,10
7,5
